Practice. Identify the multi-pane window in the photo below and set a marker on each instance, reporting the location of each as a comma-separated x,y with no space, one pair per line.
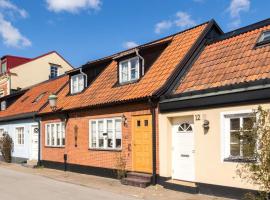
4,67
240,143
54,71
55,134
129,70
77,83
20,135
106,133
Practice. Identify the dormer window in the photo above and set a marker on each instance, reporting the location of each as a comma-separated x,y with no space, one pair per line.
53,71
264,38
77,83
129,70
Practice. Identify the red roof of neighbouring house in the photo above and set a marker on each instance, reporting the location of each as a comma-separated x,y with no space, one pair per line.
231,60
104,89
34,98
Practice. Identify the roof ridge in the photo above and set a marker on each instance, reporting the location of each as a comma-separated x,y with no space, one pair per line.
240,31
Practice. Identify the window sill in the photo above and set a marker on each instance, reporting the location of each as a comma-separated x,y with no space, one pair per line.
129,82
100,149
55,147
239,160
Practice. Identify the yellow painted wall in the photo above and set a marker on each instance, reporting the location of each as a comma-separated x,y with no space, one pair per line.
37,71
209,165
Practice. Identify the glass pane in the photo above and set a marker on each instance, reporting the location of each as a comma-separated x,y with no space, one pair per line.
81,83
249,144
138,123
134,63
124,69
48,134
145,122
52,135
74,80
58,134
248,123
63,134
118,133
110,133
100,134
235,150
93,134
235,124
235,144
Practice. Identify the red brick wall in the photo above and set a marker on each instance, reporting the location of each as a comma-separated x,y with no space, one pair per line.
81,154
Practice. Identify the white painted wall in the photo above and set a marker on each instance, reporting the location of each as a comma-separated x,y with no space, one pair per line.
20,151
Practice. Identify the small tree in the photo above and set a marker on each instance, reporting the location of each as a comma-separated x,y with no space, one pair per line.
257,170
6,147
120,165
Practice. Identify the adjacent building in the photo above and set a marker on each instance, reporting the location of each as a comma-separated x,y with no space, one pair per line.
18,73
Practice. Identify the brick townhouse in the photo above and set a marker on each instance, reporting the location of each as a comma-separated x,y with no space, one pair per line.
110,108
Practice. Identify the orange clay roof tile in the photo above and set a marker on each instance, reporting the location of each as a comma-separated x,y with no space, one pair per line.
27,104
230,61
103,90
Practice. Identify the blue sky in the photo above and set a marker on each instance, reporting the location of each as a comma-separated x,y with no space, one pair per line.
83,30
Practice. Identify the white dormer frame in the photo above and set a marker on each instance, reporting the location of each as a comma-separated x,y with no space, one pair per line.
80,86
129,78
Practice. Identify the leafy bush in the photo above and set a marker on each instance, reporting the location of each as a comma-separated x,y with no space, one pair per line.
120,165
257,171
6,147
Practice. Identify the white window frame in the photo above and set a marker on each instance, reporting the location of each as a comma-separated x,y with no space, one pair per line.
56,68
129,79
225,130
62,134
262,36
72,80
104,120
4,64
16,135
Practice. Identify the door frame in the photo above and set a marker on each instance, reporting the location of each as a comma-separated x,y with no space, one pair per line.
31,139
172,152
132,141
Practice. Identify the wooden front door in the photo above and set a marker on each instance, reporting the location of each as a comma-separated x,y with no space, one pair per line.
142,143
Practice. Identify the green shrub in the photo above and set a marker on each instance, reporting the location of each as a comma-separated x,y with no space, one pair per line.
6,147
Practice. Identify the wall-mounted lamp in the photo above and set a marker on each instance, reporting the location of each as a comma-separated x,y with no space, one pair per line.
124,120
206,126
53,101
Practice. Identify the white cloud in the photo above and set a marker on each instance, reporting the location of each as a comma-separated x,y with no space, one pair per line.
11,35
162,26
6,5
129,44
182,20
72,6
235,9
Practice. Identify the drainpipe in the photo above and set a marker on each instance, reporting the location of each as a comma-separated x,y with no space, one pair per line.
85,75
66,117
153,107
39,139
137,53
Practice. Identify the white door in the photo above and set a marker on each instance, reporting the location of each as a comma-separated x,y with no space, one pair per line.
34,142
183,152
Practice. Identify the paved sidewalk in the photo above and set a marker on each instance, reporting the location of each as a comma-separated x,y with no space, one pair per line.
108,185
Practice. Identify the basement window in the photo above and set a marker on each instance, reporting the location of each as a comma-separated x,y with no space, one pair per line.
264,38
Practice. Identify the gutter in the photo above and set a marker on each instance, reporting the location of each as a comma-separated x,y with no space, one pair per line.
18,117
251,88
